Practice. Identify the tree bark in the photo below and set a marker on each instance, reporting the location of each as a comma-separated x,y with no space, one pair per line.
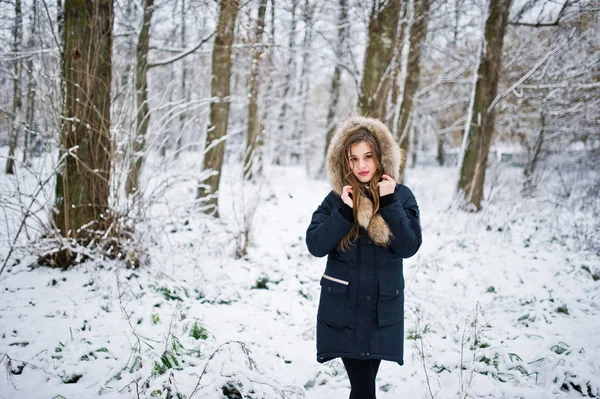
299,149
141,94
399,65
337,75
418,32
252,157
481,125
182,115
287,87
440,150
30,125
534,154
376,80
17,37
219,108
83,182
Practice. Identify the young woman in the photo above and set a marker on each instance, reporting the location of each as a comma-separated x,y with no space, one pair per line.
365,226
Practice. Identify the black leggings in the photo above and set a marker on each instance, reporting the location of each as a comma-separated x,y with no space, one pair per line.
362,375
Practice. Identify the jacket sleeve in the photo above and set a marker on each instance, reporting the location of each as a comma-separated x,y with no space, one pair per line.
403,217
327,228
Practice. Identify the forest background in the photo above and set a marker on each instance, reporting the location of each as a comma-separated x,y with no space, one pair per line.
182,132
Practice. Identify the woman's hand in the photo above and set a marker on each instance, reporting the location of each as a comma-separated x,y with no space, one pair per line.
346,192
386,186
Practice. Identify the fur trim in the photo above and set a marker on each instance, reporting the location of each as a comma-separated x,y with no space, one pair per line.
391,155
391,159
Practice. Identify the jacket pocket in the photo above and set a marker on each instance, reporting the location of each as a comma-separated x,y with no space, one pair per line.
390,303
332,304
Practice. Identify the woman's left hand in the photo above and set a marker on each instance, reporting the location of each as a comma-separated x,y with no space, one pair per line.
386,186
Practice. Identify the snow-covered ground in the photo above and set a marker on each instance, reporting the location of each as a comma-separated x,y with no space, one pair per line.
504,303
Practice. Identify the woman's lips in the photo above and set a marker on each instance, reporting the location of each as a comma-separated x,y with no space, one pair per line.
363,173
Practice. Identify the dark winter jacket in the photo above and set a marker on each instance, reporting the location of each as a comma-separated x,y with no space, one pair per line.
361,307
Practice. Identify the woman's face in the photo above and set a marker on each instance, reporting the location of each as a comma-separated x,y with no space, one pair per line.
362,162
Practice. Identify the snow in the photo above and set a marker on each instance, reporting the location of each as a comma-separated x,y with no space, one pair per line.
499,304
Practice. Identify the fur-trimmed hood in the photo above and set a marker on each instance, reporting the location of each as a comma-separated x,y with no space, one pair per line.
391,158
391,155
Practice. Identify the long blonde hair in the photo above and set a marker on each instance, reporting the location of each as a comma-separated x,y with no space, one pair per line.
359,190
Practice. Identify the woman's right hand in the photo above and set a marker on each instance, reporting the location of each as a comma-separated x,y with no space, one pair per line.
346,192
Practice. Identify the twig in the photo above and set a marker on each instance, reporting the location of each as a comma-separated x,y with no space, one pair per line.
33,366
28,212
421,351
244,349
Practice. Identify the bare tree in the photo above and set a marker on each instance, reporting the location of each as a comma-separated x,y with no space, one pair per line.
17,109
141,95
183,83
418,32
376,80
219,107
337,73
252,158
287,85
30,124
308,14
82,184
480,129
399,66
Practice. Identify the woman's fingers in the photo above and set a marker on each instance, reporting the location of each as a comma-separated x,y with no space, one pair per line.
346,192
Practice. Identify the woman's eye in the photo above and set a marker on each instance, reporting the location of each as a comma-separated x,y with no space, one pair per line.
368,156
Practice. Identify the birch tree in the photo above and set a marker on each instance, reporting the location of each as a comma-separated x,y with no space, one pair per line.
82,184
219,107
480,129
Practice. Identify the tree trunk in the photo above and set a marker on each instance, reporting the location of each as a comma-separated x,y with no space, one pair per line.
303,93
82,184
60,22
335,80
291,66
481,125
182,115
252,158
219,108
141,95
377,71
398,79
440,149
418,32
534,154
17,37
30,106
269,108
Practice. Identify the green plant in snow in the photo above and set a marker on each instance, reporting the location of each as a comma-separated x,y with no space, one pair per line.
198,332
414,334
261,284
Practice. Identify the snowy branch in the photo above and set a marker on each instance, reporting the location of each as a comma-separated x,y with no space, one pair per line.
182,55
